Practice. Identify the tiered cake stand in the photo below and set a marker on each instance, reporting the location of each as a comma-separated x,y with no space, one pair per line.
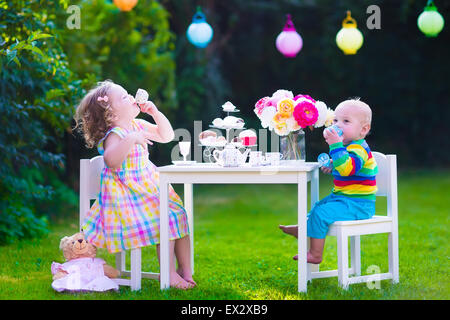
209,149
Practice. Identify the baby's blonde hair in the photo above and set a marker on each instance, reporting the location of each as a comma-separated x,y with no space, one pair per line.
94,118
363,108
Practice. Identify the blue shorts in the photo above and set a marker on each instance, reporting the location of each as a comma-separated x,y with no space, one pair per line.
336,208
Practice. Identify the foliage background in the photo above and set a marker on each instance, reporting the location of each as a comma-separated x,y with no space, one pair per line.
399,72
37,89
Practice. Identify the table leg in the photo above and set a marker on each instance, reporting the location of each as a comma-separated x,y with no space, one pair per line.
189,206
314,199
314,186
302,241
164,232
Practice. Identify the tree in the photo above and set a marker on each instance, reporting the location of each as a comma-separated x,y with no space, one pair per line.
37,90
134,49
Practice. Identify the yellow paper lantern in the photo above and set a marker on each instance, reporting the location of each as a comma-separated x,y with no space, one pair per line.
349,39
125,5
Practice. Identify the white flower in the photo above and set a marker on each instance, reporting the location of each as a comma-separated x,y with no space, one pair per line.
267,116
322,109
330,117
280,94
292,124
281,129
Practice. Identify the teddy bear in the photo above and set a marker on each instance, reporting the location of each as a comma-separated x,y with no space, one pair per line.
82,271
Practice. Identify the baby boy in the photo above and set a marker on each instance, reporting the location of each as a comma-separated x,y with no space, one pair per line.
354,170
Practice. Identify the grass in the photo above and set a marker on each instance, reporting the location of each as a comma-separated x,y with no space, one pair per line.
241,254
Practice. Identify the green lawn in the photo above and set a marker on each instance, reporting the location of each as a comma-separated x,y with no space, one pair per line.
241,254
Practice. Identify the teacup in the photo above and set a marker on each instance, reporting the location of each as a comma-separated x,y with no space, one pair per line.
256,158
335,128
273,158
248,141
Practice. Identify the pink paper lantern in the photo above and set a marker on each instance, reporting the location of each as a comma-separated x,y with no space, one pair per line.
289,42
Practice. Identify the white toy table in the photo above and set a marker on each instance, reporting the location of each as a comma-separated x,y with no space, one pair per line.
211,173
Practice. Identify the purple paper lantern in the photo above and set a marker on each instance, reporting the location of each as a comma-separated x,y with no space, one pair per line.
289,42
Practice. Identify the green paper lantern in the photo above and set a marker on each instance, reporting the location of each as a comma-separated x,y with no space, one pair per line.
430,21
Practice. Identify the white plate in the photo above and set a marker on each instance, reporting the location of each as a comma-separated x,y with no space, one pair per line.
227,127
217,144
183,163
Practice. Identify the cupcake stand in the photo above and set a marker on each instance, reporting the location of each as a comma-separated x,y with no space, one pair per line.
220,145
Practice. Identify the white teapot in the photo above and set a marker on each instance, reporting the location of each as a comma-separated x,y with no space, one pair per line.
230,156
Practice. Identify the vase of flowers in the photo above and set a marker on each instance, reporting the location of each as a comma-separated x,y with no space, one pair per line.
288,115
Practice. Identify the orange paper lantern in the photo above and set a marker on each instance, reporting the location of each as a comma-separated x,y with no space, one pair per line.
125,5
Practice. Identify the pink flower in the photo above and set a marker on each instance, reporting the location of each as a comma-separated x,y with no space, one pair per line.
273,102
260,105
304,97
270,103
305,113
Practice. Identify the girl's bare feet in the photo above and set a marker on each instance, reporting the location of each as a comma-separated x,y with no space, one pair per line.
186,276
176,281
292,230
310,258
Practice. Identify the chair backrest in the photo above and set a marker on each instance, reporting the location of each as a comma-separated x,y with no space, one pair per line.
387,180
90,172
383,173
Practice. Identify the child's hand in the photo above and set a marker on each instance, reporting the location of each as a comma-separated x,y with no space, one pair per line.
149,107
142,137
331,136
326,170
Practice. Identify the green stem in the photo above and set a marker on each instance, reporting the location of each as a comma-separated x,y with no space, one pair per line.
293,146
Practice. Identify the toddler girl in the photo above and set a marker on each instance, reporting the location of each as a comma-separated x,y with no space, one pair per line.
126,213
354,171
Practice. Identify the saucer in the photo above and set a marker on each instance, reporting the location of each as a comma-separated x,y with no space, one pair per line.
230,110
183,163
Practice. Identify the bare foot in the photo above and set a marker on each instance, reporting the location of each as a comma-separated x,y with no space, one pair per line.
310,258
186,276
292,230
176,281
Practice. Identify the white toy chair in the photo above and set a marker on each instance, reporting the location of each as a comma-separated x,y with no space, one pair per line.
387,186
90,171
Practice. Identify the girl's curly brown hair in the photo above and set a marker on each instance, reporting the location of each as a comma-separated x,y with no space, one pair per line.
94,118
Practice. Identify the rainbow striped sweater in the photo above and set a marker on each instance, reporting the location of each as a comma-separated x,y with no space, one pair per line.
354,170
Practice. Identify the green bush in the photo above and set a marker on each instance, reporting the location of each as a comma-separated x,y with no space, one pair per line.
46,68
134,49
18,221
37,95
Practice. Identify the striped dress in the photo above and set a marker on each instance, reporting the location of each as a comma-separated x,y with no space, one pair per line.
354,170
126,213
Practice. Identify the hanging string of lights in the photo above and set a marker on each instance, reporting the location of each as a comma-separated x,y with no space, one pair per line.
289,42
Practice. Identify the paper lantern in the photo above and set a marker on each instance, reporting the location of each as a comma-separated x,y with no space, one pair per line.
289,42
125,5
430,21
349,39
199,32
